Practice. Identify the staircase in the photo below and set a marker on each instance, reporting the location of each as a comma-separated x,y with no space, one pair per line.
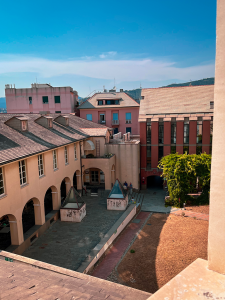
137,196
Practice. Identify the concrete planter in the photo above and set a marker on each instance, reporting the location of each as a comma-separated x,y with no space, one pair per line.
70,213
117,204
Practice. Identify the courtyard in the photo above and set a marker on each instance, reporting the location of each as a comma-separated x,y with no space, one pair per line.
67,244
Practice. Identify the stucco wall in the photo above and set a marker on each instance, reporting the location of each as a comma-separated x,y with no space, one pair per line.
127,162
17,100
216,244
121,116
16,196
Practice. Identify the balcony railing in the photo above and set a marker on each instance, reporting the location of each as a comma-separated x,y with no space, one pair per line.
115,122
128,121
101,121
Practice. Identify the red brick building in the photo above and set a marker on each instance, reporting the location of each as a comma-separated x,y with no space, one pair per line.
177,119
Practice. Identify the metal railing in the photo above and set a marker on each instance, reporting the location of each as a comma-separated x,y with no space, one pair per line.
101,121
115,122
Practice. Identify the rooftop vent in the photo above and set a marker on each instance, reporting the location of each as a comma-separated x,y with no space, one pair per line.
18,122
63,120
45,121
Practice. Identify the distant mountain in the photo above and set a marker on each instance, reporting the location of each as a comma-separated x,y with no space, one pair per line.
204,81
135,94
2,102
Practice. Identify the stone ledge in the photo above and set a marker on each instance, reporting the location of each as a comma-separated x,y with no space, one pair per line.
194,282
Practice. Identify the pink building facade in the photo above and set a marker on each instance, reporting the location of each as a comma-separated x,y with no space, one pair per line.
41,97
116,110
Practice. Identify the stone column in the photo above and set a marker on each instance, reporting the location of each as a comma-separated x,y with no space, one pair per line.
216,242
192,135
180,135
155,143
167,136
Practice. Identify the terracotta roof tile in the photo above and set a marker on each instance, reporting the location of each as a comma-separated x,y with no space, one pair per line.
15,144
126,100
177,100
30,279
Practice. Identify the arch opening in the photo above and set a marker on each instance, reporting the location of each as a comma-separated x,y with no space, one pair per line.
64,188
154,182
48,203
28,216
8,232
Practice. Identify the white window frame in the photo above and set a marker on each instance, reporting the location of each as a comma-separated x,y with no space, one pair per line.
75,151
41,165
54,155
66,155
23,178
2,189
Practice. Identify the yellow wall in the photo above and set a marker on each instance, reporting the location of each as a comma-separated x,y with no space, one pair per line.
127,162
17,196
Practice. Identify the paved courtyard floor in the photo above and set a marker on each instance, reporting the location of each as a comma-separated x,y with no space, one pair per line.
154,201
67,244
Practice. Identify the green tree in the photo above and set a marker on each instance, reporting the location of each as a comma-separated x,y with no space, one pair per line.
182,173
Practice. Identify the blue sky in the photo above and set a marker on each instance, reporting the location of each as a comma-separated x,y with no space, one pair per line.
87,44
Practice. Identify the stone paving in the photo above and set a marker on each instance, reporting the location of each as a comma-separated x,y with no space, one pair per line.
106,266
67,244
154,201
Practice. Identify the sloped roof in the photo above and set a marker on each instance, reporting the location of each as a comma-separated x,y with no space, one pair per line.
176,100
15,144
25,278
125,100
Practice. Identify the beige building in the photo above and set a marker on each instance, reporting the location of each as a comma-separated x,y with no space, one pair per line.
41,156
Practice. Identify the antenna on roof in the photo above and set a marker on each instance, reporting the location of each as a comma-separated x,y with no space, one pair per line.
140,86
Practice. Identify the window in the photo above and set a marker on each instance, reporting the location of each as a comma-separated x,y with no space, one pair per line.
89,117
2,189
160,152
199,132
211,132
45,99
173,133
58,111
115,116
198,149
128,129
112,102
54,159
57,99
211,104
75,151
66,156
148,148
22,171
161,129
40,165
186,150
186,133
128,117
148,133
100,102
30,100
116,130
173,150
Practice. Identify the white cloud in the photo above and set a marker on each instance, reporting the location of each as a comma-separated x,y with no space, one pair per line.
122,70
108,54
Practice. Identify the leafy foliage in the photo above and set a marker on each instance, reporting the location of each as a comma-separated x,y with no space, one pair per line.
182,173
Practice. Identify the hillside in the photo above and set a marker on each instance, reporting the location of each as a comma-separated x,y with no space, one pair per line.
204,81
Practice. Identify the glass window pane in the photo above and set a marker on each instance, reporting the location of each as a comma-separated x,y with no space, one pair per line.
128,116
89,117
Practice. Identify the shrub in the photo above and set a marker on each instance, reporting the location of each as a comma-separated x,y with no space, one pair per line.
132,251
182,172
